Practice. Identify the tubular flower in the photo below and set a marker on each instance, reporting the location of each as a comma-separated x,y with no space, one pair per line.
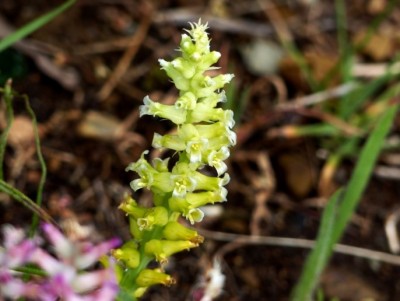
202,139
64,273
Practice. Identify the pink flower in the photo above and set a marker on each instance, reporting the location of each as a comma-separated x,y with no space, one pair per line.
66,277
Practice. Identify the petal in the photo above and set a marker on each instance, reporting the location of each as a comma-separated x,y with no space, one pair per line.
91,256
62,246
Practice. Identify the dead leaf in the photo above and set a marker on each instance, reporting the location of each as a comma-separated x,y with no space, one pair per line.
379,47
99,126
346,285
299,174
321,64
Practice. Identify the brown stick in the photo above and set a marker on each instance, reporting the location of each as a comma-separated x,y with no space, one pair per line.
126,60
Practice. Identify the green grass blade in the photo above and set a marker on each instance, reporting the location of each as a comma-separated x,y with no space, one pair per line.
375,24
341,207
34,25
31,270
316,262
358,47
236,101
16,194
360,95
363,170
25,200
8,98
39,194
345,50
301,61
317,130
344,47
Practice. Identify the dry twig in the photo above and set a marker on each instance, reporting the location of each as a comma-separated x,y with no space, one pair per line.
126,59
298,243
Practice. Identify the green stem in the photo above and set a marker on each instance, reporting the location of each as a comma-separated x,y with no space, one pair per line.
8,98
39,195
25,200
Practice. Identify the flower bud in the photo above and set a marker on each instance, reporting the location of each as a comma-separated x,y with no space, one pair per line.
162,249
128,253
130,206
186,45
200,199
176,231
134,229
149,277
180,81
157,216
139,292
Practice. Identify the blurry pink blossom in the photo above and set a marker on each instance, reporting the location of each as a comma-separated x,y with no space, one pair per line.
66,277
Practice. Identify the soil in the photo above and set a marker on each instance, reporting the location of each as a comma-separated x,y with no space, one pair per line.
102,59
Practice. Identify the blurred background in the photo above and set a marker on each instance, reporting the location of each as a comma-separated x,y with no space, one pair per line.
311,79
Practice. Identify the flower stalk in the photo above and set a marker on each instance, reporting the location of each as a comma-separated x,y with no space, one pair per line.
201,142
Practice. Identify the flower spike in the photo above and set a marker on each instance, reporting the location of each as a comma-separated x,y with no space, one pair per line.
202,138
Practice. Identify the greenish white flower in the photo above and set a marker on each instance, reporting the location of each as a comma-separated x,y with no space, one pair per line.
157,216
161,165
216,159
194,215
168,141
182,185
187,101
176,115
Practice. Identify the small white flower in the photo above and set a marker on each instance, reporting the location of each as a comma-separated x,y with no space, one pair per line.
145,108
194,215
195,148
182,185
231,135
216,159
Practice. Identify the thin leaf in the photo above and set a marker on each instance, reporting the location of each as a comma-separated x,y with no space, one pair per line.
328,236
346,54
25,200
356,98
375,23
359,96
8,97
31,270
39,194
319,256
34,25
236,101
358,47
363,170
318,130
